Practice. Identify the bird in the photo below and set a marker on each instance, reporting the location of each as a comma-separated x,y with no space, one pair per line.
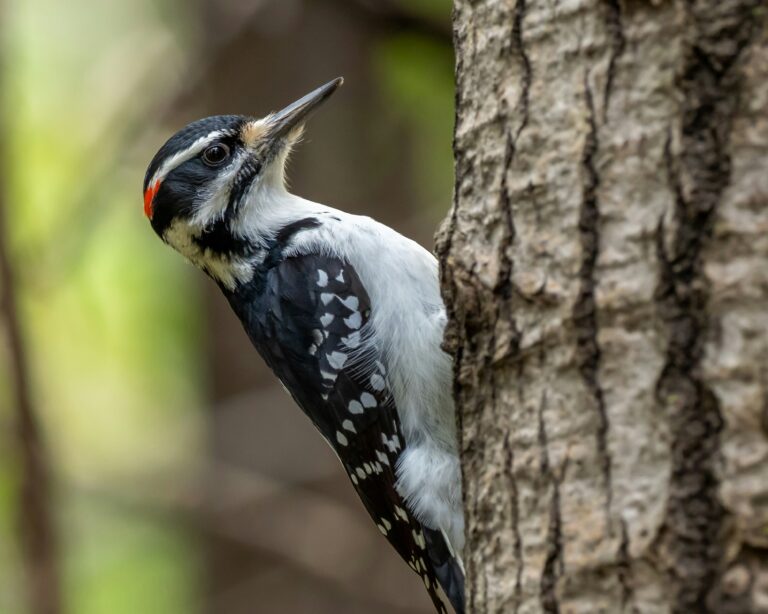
345,311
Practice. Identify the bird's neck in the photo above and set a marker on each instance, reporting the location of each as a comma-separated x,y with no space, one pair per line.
268,209
258,233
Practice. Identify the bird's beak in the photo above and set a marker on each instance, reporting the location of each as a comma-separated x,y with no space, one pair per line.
282,122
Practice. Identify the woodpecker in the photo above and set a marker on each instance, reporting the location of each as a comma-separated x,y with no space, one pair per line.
345,311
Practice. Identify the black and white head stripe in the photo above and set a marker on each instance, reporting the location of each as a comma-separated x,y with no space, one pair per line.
183,183
190,142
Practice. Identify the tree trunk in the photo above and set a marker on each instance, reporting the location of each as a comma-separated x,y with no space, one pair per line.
606,270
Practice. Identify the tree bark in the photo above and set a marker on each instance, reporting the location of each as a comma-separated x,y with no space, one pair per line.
606,269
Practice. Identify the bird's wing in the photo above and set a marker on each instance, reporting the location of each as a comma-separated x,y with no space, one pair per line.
311,323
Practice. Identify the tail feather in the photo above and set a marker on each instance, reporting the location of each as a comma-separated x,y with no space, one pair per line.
447,567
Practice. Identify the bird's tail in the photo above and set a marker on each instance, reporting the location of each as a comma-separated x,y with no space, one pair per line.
447,566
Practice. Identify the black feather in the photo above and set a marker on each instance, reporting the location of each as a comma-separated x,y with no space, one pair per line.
306,315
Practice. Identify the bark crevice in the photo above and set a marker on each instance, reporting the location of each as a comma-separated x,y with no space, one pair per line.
553,562
584,314
624,566
515,522
525,63
613,23
504,283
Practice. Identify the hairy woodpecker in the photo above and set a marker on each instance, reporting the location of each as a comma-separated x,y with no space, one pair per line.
344,310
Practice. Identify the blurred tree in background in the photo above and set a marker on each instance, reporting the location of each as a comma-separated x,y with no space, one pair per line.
183,479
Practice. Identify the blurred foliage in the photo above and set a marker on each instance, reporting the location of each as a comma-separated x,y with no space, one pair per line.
417,78
433,9
110,323
111,317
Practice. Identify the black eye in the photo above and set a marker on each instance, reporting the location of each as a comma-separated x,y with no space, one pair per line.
215,155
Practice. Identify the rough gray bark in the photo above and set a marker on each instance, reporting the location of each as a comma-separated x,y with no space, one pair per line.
606,268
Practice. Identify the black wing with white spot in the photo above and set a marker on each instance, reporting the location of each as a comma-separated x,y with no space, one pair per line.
309,317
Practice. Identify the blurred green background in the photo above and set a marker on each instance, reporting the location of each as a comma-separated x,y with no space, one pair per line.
182,478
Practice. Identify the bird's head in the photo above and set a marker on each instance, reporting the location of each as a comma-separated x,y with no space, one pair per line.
198,184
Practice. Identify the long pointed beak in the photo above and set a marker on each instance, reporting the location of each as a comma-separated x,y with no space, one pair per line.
282,122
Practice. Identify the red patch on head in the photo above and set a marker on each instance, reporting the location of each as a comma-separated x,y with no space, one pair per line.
149,197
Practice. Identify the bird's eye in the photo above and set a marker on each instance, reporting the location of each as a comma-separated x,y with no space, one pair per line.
215,155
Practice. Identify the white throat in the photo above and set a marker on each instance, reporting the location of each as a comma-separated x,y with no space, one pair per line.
267,208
